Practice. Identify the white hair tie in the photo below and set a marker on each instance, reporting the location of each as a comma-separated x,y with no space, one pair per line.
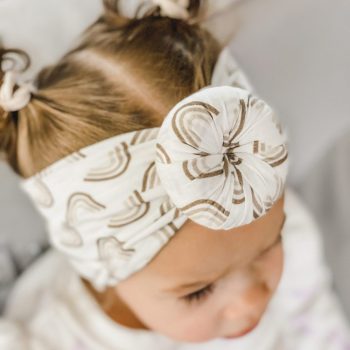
174,8
12,100
170,8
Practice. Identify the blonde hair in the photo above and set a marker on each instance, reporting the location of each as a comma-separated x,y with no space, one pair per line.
125,75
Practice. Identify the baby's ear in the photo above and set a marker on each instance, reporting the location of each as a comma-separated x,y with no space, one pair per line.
113,15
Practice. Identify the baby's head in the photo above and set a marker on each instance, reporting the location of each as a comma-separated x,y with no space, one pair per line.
191,250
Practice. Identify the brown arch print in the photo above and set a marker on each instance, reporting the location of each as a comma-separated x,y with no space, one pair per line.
119,162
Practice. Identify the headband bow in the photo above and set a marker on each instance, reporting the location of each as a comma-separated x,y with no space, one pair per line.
219,159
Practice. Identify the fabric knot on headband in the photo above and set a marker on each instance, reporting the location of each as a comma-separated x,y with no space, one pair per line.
11,99
219,159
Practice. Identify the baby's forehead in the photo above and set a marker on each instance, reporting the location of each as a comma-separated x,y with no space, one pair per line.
202,253
199,252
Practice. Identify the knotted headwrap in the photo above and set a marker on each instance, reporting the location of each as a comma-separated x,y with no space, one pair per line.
219,159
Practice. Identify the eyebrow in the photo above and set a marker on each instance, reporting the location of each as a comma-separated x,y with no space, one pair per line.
200,284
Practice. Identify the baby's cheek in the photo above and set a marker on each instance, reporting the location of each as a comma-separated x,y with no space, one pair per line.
197,329
187,326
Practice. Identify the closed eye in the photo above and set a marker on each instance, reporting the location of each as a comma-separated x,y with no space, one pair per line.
199,294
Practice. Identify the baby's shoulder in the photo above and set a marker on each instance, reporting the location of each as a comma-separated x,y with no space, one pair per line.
305,272
44,279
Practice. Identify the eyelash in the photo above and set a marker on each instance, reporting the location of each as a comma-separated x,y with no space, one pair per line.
199,295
